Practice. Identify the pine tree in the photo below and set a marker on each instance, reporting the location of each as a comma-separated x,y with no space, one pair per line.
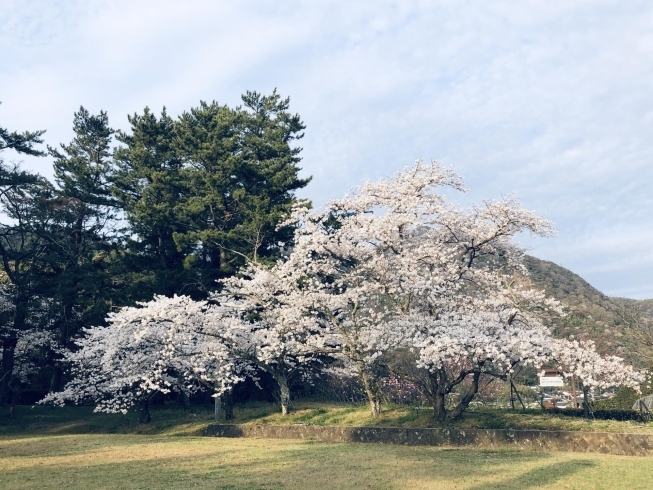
147,187
80,227
19,192
84,170
22,143
22,252
206,192
242,174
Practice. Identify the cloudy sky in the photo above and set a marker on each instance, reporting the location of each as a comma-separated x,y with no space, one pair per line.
551,101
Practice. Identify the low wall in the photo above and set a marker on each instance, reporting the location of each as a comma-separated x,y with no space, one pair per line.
601,442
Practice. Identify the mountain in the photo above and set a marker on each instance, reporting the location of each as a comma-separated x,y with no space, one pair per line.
619,326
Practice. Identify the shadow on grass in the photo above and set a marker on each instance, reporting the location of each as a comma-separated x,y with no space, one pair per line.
539,477
46,420
169,463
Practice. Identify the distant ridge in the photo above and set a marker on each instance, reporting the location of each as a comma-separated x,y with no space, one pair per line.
590,313
563,283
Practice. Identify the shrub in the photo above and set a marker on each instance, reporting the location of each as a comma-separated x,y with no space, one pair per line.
620,415
623,400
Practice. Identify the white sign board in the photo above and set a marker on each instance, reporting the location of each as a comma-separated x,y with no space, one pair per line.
551,381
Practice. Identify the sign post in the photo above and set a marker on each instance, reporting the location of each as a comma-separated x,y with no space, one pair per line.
550,381
551,378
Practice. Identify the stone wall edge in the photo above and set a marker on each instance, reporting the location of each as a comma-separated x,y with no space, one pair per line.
631,444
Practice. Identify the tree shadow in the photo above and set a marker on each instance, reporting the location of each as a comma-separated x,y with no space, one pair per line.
538,477
247,463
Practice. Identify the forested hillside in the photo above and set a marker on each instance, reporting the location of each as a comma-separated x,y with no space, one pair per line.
617,325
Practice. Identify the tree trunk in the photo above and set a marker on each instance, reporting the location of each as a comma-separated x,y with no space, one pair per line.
184,400
375,406
215,256
439,408
512,396
14,402
65,331
285,394
162,251
8,348
144,412
372,396
521,402
464,402
437,394
55,379
586,402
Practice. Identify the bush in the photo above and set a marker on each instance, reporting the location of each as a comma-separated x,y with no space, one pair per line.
29,396
620,415
623,400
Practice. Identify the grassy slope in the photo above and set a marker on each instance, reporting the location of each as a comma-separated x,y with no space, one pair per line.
401,416
172,421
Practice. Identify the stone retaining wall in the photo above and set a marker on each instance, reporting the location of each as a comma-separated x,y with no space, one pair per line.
601,442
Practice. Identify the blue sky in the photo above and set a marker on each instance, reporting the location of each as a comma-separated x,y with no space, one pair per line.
547,100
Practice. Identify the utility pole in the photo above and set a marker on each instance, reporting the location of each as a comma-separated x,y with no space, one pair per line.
218,407
512,397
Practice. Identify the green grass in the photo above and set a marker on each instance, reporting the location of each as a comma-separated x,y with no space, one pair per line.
172,420
72,447
317,413
130,461
169,420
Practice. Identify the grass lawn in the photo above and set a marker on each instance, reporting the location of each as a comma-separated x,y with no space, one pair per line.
58,448
129,461
315,413
172,420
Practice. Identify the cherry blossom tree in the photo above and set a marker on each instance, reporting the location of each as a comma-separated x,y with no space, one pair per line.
456,348
267,329
168,344
593,371
385,265
391,266
34,344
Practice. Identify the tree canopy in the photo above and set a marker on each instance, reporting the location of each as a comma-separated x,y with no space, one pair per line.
391,266
168,207
175,257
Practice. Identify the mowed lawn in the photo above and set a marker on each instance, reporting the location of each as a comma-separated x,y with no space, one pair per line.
144,461
72,448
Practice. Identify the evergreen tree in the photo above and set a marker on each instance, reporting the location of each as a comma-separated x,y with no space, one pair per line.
20,191
84,170
80,229
205,193
241,173
148,188
21,143
196,197
22,252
